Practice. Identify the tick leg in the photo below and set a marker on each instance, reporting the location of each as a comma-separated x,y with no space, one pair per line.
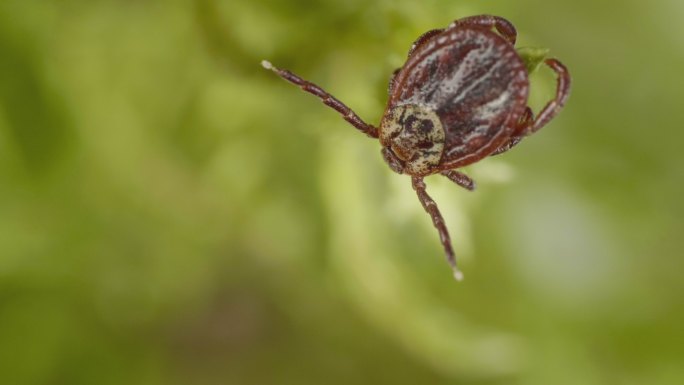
503,26
554,106
422,39
460,179
528,124
431,208
524,124
329,100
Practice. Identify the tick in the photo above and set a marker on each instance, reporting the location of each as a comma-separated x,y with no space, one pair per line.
461,96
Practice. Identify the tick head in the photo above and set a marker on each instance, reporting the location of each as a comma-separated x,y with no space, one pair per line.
412,137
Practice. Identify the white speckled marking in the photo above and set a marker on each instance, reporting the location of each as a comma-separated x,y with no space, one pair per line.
460,78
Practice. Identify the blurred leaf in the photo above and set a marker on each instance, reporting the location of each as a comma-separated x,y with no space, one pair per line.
532,57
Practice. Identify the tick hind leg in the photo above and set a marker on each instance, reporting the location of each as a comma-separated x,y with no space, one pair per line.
528,124
431,208
503,26
347,113
554,106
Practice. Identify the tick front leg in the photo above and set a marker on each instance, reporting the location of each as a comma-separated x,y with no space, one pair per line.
460,179
431,208
329,100
503,26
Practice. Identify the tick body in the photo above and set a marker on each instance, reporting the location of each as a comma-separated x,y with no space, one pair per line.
461,96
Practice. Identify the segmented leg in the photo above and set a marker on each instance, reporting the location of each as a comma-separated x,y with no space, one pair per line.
528,124
503,26
329,100
524,124
460,179
422,39
554,106
431,208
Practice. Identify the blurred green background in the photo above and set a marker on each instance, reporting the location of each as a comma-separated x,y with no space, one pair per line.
171,213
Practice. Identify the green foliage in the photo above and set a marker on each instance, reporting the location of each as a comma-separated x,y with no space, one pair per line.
533,57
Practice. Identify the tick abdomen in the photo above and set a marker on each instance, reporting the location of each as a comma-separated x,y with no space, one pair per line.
474,81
